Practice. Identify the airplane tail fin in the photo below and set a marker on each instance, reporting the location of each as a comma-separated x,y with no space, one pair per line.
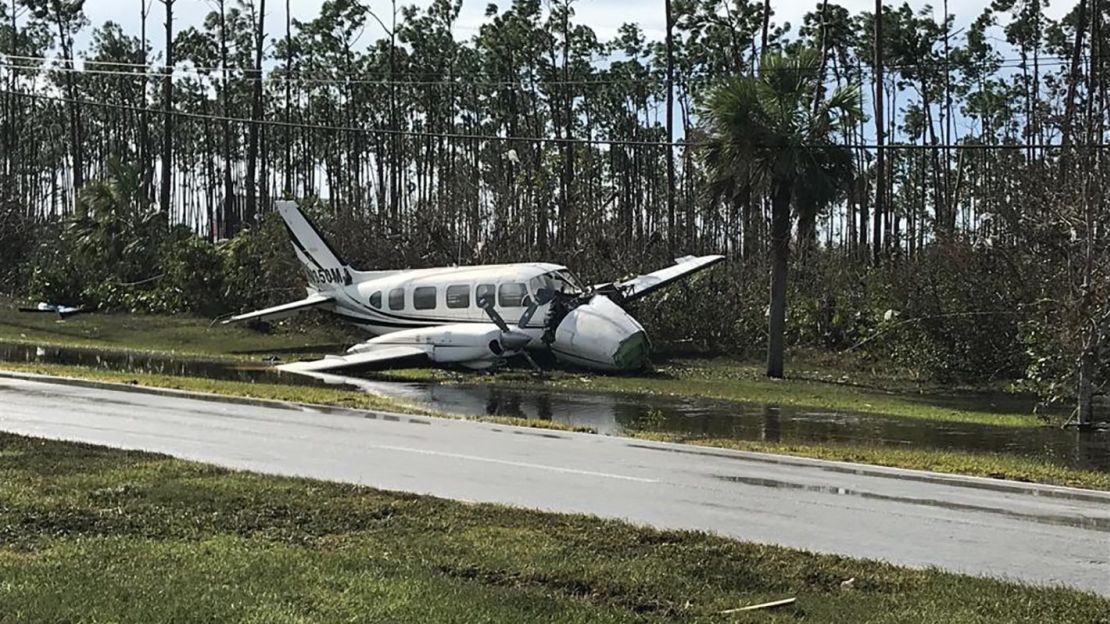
323,265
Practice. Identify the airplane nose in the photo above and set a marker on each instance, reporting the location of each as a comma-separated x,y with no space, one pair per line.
601,335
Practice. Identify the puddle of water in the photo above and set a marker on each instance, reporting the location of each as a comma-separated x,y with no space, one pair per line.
614,413
155,364
695,417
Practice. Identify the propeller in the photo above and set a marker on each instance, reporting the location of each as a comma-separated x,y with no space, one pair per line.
543,295
515,341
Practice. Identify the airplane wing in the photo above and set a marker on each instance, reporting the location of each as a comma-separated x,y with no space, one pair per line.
643,285
284,310
334,362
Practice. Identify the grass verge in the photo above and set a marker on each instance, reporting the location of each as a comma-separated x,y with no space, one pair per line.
731,380
339,397
100,535
815,381
994,465
174,335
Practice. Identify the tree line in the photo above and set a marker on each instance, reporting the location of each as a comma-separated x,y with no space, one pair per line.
938,197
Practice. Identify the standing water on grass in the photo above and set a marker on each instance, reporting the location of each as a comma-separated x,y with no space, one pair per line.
616,413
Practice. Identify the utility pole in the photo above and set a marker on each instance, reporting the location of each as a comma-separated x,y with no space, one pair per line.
670,133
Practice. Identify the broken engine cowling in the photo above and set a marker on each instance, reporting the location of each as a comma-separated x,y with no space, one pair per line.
599,334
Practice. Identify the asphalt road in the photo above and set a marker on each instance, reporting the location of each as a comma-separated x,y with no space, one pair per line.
1039,534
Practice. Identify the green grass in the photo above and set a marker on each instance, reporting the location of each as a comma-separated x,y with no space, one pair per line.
992,465
179,335
98,535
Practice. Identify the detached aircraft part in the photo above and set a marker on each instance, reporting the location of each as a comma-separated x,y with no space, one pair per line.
63,311
643,285
286,310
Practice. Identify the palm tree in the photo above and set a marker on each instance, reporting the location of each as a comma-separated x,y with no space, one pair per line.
771,133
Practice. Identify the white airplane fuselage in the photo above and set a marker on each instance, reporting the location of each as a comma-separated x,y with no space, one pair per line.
599,334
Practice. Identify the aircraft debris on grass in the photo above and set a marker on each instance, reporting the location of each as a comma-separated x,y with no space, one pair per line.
62,311
456,315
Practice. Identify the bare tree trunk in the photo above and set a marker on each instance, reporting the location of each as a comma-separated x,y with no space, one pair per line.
880,163
167,115
949,208
670,129
12,134
76,141
145,161
819,92
1085,411
287,175
766,27
254,129
1073,81
570,234
230,222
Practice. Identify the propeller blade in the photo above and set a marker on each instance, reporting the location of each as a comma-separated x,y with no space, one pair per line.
486,303
535,367
543,296
527,316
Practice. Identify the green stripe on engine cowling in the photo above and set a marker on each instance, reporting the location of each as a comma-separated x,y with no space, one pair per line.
632,352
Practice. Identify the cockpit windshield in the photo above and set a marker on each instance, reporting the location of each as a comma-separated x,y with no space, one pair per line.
561,281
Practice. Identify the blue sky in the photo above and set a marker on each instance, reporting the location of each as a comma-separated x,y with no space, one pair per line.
605,16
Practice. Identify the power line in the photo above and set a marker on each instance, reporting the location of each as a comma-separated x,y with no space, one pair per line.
275,75
347,129
525,139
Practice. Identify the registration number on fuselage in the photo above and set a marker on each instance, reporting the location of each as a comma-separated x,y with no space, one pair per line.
326,276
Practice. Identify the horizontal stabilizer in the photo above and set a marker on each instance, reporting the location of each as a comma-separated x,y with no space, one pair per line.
285,310
336,362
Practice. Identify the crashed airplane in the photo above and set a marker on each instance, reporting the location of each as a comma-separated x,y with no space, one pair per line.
456,315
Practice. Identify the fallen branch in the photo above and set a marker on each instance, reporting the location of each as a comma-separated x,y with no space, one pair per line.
765,605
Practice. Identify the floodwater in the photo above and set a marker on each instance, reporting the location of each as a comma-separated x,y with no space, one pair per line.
616,413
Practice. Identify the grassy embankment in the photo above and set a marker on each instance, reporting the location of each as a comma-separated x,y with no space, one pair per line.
99,535
177,335
857,389
840,385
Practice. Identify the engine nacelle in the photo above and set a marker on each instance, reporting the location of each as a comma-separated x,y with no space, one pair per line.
599,334
476,345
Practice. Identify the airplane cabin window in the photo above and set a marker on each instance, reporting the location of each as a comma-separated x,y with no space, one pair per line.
483,290
376,300
397,299
424,298
458,296
511,295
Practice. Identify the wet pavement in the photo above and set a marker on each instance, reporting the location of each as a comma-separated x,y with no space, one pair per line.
616,413
1035,533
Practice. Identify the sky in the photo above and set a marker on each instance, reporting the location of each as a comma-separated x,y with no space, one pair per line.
604,16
